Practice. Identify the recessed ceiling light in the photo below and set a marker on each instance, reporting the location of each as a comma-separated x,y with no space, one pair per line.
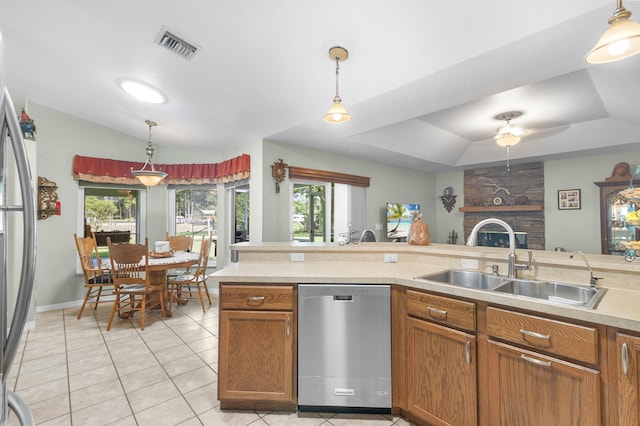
142,92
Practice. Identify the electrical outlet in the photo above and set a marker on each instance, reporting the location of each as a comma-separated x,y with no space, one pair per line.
391,257
469,264
297,257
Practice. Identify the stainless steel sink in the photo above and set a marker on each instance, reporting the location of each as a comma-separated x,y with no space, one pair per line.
557,292
468,279
567,294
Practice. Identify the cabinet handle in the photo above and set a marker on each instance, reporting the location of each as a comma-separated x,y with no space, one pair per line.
625,359
255,298
436,311
535,361
288,327
467,354
534,334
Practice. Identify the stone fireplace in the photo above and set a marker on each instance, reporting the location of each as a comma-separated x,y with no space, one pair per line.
515,196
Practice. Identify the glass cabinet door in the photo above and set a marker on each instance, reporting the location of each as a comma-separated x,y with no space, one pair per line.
618,231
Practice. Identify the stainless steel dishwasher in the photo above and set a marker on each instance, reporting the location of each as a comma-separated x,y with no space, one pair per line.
344,348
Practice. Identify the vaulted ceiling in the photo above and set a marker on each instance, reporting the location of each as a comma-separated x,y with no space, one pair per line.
424,80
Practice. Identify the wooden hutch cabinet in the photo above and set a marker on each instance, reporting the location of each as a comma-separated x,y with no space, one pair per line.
614,232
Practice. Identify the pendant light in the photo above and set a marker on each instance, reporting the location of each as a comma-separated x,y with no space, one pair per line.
337,112
508,134
619,41
149,177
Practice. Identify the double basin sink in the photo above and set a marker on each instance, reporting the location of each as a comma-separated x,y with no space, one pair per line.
557,292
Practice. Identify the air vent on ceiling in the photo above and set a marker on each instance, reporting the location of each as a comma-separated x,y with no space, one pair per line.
176,44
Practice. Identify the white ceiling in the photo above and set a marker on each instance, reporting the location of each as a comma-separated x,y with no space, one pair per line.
423,82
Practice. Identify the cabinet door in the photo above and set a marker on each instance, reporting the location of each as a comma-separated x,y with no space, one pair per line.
441,374
628,378
526,388
256,356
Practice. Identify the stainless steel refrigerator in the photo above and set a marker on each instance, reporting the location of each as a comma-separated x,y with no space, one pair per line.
17,228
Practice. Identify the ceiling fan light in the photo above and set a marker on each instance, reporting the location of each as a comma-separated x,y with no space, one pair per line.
512,129
507,139
621,40
337,113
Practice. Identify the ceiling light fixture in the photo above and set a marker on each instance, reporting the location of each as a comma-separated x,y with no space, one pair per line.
509,134
142,92
337,112
149,177
619,41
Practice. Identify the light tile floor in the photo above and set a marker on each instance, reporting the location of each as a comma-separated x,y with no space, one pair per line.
74,372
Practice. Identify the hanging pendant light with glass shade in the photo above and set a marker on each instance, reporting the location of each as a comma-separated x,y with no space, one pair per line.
337,112
150,177
619,41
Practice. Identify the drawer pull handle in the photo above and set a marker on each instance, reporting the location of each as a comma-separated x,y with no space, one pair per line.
288,327
625,359
536,361
255,298
436,311
467,354
534,334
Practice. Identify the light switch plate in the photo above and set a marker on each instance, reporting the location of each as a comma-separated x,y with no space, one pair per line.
297,257
469,264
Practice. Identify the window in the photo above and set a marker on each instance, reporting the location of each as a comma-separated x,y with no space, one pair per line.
111,211
309,219
193,212
323,212
241,216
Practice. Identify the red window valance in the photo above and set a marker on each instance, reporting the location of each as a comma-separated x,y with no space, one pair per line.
105,170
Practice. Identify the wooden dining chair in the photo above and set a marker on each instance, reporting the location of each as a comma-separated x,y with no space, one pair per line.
179,243
97,275
194,281
130,271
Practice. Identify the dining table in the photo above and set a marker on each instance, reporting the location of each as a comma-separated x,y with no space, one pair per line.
159,264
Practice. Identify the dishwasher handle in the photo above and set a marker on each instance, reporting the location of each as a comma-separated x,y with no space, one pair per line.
343,298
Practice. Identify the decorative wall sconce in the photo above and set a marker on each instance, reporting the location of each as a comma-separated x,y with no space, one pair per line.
279,172
448,199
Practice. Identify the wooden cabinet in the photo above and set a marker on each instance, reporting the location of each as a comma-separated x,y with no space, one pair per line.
613,210
534,387
544,335
626,371
256,351
441,367
527,388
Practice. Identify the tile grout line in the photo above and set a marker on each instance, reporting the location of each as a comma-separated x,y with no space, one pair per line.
66,357
95,316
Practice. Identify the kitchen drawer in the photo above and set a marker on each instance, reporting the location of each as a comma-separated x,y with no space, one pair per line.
557,337
443,310
256,297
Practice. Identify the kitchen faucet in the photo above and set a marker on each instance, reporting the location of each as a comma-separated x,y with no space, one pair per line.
593,281
512,266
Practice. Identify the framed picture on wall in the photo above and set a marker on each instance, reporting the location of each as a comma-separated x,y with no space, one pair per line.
569,199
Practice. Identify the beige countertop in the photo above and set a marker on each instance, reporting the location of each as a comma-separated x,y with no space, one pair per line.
269,263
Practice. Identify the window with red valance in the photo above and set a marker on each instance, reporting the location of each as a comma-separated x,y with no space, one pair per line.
104,170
